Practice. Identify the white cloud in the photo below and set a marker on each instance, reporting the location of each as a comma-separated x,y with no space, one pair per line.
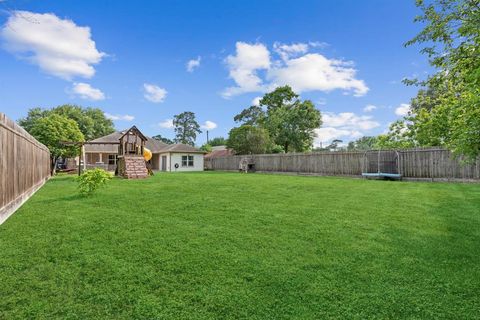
315,72
167,124
286,51
58,46
243,68
256,101
209,125
301,70
116,117
194,63
402,110
327,134
86,91
154,93
345,125
349,120
369,108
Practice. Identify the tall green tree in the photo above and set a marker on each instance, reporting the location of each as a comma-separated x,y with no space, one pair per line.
54,129
248,139
289,121
445,111
186,128
91,121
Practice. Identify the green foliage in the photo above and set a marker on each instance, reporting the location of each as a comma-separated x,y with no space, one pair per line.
248,139
276,149
445,110
218,141
52,130
91,121
289,121
206,147
91,180
363,144
253,116
186,128
163,139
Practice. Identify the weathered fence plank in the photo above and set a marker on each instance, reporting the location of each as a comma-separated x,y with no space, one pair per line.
421,163
24,166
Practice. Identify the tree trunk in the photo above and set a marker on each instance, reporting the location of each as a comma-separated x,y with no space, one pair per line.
53,166
286,147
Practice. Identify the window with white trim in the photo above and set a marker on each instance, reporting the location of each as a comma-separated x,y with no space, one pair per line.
187,161
112,159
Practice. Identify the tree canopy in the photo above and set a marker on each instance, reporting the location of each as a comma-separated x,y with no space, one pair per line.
248,139
363,144
54,129
163,139
289,121
91,121
218,141
445,111
186,128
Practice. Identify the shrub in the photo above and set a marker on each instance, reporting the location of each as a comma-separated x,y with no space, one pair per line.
91,180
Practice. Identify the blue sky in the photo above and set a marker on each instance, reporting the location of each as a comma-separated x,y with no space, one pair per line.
130,58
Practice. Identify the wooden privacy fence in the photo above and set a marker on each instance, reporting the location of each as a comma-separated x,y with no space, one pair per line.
24,166
424,163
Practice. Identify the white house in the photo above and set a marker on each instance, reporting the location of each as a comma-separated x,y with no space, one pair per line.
165,157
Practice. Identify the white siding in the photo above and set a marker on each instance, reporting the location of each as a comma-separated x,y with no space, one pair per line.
177,158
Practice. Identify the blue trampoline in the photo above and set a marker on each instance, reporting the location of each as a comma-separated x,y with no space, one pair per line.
381,164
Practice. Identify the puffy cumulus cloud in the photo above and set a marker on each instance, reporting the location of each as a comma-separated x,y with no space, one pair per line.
297,67
315,72
369,108
86,91
402,110
193,64
58,46
243,68
345,125
209,125
166,124
154,93
117,117
349,120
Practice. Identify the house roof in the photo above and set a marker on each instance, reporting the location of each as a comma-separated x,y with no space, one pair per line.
219,153
156,146
180,147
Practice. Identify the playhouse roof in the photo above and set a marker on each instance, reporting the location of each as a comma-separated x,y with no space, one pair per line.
133,130
156,146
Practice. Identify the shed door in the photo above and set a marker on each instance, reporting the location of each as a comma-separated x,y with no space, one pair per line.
164,163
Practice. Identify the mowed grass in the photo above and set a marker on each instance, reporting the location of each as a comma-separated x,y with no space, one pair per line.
234,246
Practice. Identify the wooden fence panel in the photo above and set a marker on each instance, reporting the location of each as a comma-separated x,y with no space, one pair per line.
420,163
24,166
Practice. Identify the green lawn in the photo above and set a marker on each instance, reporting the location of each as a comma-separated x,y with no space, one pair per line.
230,246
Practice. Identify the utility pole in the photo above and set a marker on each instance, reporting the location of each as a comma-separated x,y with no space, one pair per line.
207,136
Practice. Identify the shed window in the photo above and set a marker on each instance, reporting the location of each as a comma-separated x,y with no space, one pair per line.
112,159
187,161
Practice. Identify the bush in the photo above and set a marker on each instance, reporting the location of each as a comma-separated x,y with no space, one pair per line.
91,180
